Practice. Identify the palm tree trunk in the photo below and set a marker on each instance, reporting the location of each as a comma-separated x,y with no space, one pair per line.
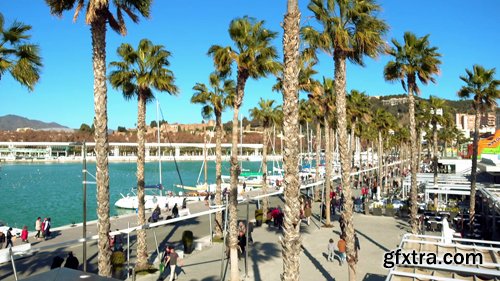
413,158
419,147
318,158
473,171
340,89
142,250
435,160
328,175
353,146
265,200
291,237
98,30
235,170
380,153
218,172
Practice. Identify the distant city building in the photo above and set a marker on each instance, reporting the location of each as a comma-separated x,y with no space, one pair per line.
176,127
395,101
487,124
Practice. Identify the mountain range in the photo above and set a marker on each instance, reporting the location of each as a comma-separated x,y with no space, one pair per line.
13,122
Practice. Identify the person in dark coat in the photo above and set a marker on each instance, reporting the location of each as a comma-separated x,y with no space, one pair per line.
175,211
71,261
2,239
9,238
57,261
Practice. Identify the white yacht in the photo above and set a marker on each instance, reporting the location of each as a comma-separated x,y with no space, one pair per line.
130,201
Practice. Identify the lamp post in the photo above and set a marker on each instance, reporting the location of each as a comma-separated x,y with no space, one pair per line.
84,172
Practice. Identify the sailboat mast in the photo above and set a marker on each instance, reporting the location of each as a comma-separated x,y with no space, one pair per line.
205,157
241,142
158,124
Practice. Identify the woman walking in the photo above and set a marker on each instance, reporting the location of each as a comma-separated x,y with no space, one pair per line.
38,227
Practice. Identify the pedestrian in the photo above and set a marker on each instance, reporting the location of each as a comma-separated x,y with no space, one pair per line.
242,243
9,238
341,245
24,234
307,211
2,239
175,211
250,230
172,259
43,227
38,227
331,250
118,241
241,227
57,261
357,246
46,229
71,261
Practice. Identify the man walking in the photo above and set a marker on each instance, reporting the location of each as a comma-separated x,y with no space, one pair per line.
172,259
9,238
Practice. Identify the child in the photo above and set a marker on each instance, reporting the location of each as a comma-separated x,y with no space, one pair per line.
331,250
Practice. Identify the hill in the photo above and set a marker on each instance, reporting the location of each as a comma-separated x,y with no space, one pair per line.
13,122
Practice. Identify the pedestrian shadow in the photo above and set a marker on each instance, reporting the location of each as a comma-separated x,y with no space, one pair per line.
317,264
374,277
260,253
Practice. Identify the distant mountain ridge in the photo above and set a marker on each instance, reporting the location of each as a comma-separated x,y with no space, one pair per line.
14,122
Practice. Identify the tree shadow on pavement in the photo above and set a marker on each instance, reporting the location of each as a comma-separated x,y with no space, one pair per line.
373,241
317,264
262,252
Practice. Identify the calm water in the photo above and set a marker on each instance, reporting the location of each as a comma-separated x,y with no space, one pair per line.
54,190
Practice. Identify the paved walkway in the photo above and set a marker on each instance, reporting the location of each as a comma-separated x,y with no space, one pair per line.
376,234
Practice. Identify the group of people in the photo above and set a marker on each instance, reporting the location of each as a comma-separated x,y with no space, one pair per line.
6,238
42,228
171,258
71,262
341,247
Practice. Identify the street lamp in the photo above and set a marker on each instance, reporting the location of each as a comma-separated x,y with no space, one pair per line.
84,182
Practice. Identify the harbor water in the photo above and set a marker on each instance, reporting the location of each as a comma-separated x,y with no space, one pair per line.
54,190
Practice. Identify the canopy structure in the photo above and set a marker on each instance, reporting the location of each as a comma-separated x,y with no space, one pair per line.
486,269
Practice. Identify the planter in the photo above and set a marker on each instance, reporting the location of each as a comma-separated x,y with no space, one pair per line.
258,217
390,212
187,241
377,211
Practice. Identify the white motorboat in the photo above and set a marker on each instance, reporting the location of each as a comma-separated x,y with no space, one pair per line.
130,201
14,231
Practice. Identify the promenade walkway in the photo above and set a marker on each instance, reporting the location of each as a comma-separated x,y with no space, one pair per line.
376,234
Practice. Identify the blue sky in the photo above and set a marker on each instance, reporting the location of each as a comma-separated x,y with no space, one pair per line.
465,32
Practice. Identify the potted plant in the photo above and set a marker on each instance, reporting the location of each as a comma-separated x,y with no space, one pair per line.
259,213
187,241
117,261
377,209
453,212
389,210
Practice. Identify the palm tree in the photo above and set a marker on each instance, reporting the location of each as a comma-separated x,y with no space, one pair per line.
350,31
324,99
268,115
436,105
358,110
254,57
482,85
413,60
291,238
383,121
17,56
215,101
98,13
137,73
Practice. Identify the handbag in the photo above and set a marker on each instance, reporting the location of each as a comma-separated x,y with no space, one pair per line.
162,267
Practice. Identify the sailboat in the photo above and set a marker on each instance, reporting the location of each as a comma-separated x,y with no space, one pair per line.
151,201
